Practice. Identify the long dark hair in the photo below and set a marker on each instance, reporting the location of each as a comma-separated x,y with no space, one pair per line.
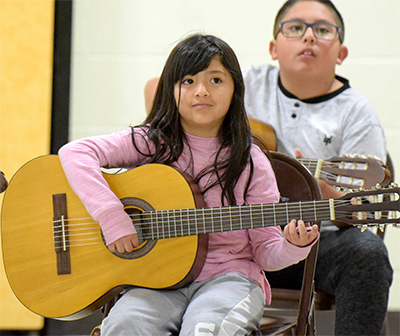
163,126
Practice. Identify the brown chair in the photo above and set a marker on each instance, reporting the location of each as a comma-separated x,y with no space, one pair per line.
295,183
290,298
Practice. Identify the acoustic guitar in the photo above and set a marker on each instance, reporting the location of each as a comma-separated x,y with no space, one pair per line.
59,266
347,171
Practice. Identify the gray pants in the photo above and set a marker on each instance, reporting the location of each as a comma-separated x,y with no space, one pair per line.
229,304
354,267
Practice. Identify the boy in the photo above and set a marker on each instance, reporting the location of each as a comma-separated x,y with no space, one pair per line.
313,110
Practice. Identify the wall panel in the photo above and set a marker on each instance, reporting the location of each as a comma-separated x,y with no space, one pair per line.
26,66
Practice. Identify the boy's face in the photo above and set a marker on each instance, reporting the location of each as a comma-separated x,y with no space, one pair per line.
307,54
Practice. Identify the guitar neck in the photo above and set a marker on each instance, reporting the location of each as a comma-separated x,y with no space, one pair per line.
185,222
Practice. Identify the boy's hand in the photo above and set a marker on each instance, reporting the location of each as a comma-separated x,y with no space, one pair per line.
124,244
299,233
298,154
327,190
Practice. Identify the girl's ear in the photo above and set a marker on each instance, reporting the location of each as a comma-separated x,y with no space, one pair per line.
272,50
343,52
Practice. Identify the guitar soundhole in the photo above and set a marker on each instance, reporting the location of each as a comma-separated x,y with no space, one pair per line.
135,206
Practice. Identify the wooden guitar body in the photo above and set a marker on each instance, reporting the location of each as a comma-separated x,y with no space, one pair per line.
29,252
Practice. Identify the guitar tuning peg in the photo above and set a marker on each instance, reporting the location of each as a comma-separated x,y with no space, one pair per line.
393,185
377,186
364,227
345,155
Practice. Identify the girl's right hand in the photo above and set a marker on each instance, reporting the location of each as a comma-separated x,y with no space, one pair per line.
124,244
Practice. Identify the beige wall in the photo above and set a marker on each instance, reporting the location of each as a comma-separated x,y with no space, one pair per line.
26,65
118,45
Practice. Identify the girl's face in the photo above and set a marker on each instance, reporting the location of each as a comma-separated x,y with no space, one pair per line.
308,55
204,99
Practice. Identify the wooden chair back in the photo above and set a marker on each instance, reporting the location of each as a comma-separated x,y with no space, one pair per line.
290,298
295,183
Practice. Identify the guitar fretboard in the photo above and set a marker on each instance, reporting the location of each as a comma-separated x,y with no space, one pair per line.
185,222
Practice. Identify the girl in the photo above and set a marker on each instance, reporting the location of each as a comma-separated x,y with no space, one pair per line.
198,125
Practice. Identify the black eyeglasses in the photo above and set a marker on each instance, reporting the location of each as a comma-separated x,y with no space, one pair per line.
322,30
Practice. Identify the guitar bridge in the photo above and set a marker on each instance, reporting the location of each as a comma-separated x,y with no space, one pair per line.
60,233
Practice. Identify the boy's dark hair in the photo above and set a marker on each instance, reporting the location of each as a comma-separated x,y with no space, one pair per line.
288,4
189,57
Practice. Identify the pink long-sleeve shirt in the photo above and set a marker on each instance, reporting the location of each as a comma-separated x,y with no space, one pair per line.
246,251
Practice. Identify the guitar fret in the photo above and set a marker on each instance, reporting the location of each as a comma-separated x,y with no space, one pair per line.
267,216
220,218
301,215
151,224
176,233
150,216
186,223
168,224
212,220
240,218
181,220
204,222
157,215
195,217
287,214
209,220
315,212
230,217
163,224
251,216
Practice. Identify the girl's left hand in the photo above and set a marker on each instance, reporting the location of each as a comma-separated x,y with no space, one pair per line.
299,233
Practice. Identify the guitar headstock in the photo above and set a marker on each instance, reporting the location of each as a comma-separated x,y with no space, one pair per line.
355,171
375,207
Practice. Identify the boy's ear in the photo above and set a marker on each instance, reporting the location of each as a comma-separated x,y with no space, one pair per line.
272,50
343,52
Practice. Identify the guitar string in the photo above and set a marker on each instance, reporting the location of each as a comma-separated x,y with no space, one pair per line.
331,164
189,220
187,231
195,211
331,176
98,240
76,242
